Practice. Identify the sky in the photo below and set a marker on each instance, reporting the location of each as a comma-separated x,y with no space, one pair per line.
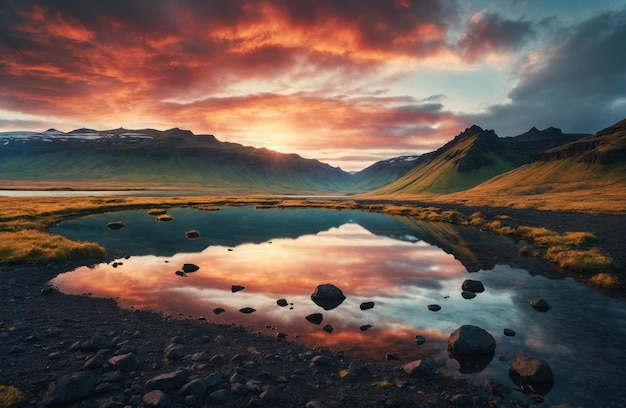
348,82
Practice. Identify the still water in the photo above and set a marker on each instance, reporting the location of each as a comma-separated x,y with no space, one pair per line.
400,264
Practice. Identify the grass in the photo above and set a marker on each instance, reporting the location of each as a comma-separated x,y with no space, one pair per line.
31,246
605,280
10,396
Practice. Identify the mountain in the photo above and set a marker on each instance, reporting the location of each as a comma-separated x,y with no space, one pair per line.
383,172
584,172
471,158
150,158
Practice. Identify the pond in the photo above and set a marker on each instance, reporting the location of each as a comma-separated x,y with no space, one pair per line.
251,258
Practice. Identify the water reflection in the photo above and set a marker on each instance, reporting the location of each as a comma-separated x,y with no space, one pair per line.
399,264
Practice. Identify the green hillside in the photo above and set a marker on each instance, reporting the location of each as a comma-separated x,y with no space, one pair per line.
173,159
587,173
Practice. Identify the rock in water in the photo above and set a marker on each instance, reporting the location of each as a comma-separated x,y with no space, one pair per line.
532,375
282,302
540,305
190,268
434,308
247,310
328,296
315,318
472,347
473,286
115,225
236,288
193,234
366,305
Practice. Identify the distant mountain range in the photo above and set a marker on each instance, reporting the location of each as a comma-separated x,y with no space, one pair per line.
177,159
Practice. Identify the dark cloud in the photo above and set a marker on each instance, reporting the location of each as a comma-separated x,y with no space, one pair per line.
491,33
577,83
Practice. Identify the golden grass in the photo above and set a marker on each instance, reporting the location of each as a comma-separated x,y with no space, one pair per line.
31,246
605,280
10,396
579,260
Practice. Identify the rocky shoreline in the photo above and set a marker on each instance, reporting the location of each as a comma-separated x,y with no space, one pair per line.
79,351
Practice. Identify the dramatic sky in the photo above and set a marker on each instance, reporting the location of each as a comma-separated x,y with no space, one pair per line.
348,82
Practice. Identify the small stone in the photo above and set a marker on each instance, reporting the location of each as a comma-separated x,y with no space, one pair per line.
220,396
540,305
322,361
434,308
175,351
417,368
125,362
468,295
236,288
95,362
365,327
218,310
328,328
315,318
473,286
167,381
420,340
281,335
190,268
366,305
115,225
156,398
181,273
193,234
247,310
282,302
509,332
391,357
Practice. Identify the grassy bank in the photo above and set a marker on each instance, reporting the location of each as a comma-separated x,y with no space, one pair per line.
25,222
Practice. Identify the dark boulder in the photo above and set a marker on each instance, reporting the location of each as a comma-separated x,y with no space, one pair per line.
282,302
328,296
473,347
236,288
366,305
247,310
533,376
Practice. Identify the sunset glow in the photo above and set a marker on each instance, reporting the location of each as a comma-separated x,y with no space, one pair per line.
346,82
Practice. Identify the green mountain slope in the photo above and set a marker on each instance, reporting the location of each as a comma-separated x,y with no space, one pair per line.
587,175
471,158
149,158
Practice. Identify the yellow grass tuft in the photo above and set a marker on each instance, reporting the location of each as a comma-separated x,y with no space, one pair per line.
30,246
605,280
578,260
157,211
253,351
10,396
382,383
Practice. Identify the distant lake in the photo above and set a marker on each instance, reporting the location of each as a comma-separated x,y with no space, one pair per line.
400,264
77,193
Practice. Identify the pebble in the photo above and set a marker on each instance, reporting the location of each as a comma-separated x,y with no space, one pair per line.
434,308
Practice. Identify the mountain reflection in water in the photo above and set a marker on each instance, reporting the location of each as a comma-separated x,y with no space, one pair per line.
401,265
